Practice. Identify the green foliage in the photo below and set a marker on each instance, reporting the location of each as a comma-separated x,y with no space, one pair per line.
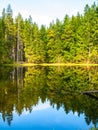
73,40
7,37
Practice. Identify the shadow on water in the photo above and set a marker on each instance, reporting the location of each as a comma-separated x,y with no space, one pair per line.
22,87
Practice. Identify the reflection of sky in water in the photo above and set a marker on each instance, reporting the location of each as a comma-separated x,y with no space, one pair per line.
44,117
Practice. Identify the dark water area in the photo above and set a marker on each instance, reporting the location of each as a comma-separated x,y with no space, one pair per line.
48,98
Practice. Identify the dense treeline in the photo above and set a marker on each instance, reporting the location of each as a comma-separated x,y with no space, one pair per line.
74,40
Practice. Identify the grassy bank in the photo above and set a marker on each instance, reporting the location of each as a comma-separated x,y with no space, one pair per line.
49,64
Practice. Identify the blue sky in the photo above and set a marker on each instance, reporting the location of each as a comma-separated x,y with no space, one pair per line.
46,117
44,11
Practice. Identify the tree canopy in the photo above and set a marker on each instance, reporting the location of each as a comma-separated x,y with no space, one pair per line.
72,40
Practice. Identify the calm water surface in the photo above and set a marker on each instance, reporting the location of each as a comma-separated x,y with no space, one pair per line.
48,98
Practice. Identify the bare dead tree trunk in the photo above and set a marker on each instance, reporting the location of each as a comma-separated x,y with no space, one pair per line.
18,40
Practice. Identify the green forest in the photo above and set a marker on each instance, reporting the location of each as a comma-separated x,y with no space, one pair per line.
72,40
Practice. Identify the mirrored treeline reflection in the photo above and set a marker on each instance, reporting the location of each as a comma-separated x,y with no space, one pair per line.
22,88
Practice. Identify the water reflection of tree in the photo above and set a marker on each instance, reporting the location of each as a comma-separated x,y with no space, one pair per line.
62,86
7,117
94,128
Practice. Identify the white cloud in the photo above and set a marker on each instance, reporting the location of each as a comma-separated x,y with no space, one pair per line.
74,12
41,19
76,113
44,11
41,107
38,18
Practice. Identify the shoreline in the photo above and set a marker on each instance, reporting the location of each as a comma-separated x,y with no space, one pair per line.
49,64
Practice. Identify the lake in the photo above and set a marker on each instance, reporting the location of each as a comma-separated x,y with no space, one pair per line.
48,98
